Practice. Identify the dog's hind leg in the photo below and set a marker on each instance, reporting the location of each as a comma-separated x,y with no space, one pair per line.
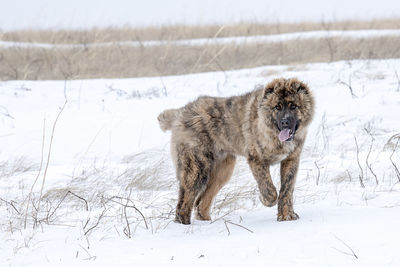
220,175
193,170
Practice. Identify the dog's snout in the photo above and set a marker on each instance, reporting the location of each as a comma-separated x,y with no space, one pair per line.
284,123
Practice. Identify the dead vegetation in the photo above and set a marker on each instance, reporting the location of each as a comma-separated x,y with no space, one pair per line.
124,61
23,63
15,166
134,197
180,32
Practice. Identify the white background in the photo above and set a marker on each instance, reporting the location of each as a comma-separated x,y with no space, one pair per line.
19,14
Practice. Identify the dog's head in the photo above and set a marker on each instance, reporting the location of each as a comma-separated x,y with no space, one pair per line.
287,105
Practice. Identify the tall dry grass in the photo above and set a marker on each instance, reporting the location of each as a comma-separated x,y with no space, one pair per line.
179,32
117,61
124,61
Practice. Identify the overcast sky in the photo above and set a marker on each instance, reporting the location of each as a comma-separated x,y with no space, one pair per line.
19,14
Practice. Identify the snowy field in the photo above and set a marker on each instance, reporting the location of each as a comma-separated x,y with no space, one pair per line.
86,178
108,186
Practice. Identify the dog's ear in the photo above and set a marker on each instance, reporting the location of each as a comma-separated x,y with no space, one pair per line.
300,87
268,90
270,87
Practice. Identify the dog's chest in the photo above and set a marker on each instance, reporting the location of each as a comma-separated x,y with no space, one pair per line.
281,152
278,158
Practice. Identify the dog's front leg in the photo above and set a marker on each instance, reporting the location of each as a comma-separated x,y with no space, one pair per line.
289,169
260,170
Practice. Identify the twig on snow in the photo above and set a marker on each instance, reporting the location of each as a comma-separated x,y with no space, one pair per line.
81,198
37,176
394,164
4,111
366,160
62,200
10,203
227,228
49,153
238,225
96,224
128,200
344,252
398,81
348,174
319,172
360,175
348,84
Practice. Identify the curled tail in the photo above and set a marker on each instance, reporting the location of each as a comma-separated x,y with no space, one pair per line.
167,118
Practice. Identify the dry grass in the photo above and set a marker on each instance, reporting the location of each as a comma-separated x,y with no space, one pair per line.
139,193
124,61
16,166
117,61
179,32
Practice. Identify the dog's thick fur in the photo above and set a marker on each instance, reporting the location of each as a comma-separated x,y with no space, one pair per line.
208,134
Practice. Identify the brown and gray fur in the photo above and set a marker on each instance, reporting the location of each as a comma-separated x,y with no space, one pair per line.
208,134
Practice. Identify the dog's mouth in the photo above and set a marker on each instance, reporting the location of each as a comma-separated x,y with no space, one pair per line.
287,134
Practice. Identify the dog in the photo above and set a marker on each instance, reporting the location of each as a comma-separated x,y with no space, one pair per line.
267,126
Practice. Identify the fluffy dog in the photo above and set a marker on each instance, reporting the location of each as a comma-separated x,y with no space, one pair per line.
267,126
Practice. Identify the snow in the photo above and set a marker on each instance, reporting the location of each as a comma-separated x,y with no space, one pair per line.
316,240
353,34
107,143
108,150
22,14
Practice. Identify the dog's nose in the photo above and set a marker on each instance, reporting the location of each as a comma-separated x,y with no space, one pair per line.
284,123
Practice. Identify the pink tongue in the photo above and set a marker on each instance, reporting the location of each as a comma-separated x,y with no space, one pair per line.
284,135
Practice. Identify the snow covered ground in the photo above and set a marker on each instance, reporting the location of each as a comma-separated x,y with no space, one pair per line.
110,176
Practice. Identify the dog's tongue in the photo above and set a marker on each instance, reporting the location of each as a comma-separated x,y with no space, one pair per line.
284,135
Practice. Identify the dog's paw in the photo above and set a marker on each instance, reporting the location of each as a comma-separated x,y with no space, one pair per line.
269,200
203,217
182,218
291,216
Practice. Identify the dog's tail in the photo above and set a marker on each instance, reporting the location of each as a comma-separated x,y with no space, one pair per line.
167,118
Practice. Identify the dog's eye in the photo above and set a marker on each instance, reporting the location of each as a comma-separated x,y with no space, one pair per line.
293,106
278,107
